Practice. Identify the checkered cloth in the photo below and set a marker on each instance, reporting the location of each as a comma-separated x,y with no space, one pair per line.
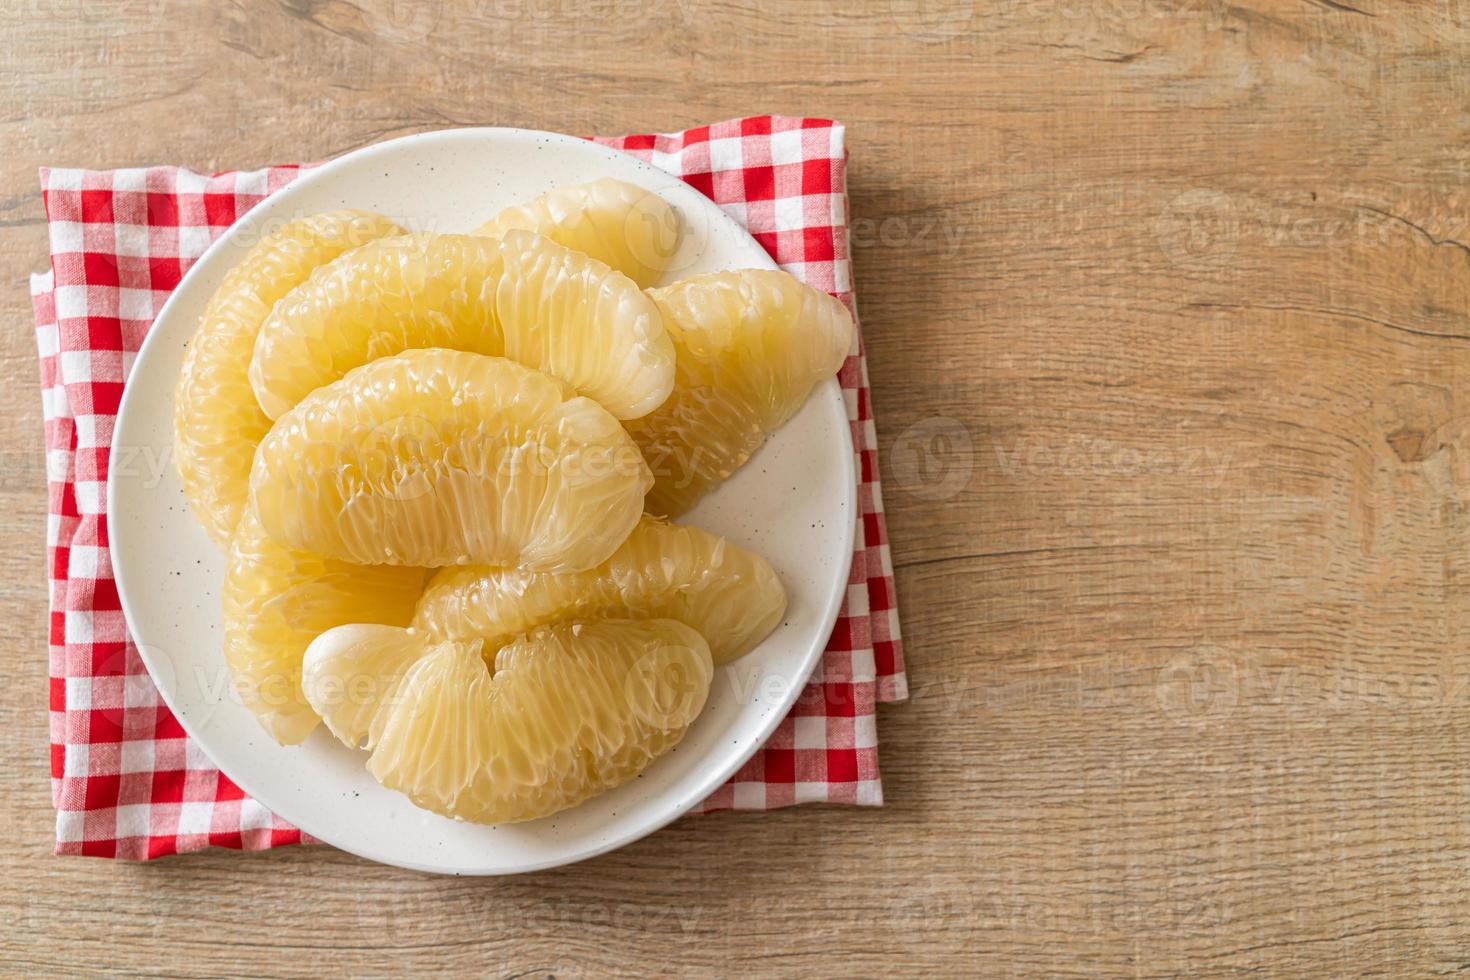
126,780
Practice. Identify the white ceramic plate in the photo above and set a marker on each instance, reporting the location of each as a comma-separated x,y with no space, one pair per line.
792,503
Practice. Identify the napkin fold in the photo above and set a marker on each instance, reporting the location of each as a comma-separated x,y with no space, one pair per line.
126,781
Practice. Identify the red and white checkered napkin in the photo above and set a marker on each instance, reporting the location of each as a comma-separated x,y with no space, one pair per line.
127,782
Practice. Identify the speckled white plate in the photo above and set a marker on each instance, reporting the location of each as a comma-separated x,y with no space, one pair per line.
793,503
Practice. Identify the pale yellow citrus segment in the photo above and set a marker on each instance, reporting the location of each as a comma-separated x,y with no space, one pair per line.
217,421
525,298
440,457
573,317
564,713
349,671
664,571
276,601
633,230
750,346
386,297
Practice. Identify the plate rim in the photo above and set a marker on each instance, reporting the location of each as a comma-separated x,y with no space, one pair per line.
708,782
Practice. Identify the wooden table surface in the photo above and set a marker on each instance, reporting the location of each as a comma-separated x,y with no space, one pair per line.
1166,304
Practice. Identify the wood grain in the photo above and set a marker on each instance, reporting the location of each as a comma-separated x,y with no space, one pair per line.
1166,304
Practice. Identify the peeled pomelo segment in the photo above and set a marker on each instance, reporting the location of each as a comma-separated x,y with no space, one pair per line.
386,297
633,230
439,457
662,571
750,346
573,317
217,421
523,297
436,742
350,671
277,600
563,713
